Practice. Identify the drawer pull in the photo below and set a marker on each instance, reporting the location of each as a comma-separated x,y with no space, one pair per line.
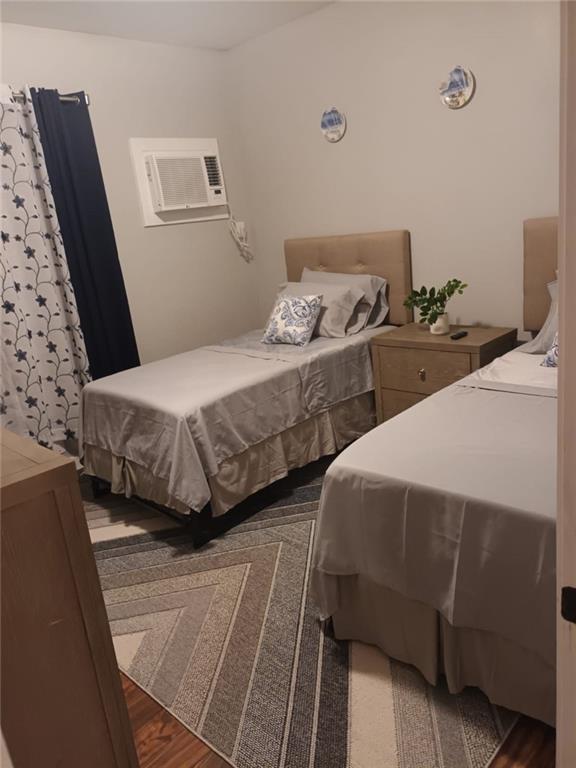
422,374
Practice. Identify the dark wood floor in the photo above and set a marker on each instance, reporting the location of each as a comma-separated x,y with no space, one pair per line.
531,744
163,742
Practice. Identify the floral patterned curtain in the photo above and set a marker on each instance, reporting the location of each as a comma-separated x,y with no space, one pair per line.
43,359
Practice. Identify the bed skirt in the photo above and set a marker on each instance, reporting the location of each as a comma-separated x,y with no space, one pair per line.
258,467
510,675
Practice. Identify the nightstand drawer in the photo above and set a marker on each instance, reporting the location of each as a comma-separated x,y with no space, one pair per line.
393,402
420,370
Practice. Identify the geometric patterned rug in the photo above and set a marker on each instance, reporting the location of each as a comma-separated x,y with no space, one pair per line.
228,640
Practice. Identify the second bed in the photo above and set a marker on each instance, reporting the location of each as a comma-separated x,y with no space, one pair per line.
436,531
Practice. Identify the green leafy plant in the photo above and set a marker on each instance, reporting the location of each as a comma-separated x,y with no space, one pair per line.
432,303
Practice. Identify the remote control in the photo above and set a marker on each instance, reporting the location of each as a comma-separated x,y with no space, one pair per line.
459,335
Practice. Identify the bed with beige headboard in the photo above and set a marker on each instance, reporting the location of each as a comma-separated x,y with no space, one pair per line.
475,517
218,423
385,254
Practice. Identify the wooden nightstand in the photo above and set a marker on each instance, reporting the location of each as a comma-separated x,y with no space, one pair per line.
410,363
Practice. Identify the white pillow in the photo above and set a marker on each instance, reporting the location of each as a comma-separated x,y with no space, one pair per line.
552,356
374,307
338,315
545,338
293,320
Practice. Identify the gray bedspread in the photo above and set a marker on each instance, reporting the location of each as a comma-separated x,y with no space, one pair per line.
181,417
452,503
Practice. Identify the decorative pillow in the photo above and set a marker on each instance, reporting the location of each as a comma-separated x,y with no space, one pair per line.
373,309
338,314
545,338
293,320
551,359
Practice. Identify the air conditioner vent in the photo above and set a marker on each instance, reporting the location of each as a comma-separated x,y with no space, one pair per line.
181,181
213,171
184,180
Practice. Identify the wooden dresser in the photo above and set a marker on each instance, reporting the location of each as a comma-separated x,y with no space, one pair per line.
62,702
410,363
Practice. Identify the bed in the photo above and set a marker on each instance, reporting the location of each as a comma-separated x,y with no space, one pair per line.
436,531
203,430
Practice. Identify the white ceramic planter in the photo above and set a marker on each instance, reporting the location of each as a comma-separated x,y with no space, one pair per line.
441,326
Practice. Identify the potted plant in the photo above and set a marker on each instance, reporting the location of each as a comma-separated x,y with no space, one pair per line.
432,304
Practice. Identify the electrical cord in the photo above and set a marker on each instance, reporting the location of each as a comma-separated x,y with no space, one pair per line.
240,237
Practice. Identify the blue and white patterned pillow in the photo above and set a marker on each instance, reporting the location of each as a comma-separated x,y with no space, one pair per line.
293,320
551,359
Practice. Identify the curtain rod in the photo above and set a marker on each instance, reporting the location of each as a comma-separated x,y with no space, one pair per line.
21,97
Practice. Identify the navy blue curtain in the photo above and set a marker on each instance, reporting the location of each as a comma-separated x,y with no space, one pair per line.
82,208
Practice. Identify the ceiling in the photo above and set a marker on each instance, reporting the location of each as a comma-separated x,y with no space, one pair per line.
217,24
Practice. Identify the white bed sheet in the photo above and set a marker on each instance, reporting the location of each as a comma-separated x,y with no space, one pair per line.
183,416
516,371
453,503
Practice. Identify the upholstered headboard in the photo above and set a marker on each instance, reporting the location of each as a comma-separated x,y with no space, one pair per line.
386,254
540,265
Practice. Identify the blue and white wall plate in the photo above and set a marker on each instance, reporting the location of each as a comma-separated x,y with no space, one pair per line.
457,91
333,125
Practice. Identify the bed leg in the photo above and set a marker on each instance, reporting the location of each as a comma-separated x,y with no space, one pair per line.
99,487
200,526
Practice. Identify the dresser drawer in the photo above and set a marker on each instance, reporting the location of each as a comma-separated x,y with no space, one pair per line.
420,370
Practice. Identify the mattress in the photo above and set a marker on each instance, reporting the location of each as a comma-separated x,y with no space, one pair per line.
452,504
182,418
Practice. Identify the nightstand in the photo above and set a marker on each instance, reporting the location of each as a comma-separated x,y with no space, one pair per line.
410,363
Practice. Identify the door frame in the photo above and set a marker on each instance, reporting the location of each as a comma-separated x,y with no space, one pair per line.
566,527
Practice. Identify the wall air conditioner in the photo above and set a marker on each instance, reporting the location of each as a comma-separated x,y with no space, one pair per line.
180,180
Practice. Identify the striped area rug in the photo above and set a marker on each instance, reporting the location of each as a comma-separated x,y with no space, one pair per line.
227,639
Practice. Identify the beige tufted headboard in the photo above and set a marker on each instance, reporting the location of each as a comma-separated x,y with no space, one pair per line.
386,254
540,265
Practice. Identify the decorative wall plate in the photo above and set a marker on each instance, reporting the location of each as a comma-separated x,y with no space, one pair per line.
459,88
333,125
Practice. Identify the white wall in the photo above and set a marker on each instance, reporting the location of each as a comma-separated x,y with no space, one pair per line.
186,284
461,181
